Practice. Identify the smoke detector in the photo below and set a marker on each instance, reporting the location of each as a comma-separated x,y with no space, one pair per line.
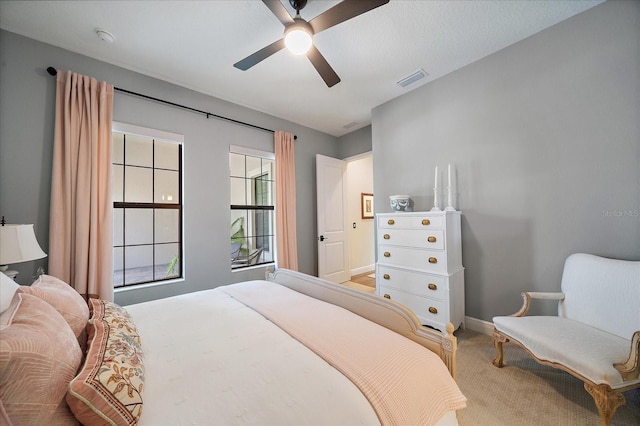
105,36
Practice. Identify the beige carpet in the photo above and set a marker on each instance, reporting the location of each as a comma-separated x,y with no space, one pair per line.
524,392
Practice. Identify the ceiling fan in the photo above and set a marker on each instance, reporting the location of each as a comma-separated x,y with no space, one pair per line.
298,33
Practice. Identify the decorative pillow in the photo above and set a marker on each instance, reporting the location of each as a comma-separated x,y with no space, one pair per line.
39,356
8,288
4,417
109,385
65,299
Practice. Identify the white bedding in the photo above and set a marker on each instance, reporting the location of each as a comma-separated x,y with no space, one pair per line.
211,360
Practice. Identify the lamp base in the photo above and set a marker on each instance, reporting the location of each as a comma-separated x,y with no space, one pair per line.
10,273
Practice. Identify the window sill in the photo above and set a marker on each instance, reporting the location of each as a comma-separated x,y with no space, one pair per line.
252,267
146,285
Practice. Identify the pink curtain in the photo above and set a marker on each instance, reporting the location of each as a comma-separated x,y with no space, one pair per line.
80,236
285,201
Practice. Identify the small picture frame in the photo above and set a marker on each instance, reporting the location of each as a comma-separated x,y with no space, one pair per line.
366,203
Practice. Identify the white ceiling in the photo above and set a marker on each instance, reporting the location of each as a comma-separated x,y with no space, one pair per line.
195,44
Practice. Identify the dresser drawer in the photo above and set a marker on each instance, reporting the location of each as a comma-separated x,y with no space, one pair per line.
433,286
424,260
433,311
413,222
432,238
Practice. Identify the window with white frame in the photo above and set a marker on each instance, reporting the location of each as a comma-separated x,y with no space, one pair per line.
252,179
147,205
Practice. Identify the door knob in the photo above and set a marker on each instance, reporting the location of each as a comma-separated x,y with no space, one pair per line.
321,237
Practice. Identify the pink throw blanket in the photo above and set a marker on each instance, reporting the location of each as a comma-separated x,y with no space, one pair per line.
404,382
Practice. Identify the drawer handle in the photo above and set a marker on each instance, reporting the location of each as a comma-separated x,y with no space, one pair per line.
432,286
387,254
433,260
433,310
431,239
426,222
386,236
391,221
386,276
386,296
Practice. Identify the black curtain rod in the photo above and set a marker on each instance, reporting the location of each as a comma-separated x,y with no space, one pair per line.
52,71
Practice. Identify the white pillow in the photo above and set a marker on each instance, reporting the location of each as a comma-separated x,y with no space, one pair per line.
7,289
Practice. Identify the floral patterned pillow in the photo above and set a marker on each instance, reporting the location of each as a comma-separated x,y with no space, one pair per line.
109,385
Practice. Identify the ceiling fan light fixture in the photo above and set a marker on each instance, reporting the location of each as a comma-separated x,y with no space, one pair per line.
298,37
298,33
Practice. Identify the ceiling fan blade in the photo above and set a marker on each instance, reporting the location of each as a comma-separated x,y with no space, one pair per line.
343,11
322,66
260,55
279,10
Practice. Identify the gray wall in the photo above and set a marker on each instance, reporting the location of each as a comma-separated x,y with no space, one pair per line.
26,134
543,135
354,143
545,141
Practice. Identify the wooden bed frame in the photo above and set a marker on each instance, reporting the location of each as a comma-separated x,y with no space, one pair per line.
385,312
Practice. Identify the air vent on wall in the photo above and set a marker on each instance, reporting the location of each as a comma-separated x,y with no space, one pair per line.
410,79
350,125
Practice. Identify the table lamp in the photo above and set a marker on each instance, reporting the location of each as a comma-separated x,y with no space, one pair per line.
17,244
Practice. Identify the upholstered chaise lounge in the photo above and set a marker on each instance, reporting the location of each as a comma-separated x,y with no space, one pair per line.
596,334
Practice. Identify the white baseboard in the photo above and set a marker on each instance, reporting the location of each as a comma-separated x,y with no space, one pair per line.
480,326
362,270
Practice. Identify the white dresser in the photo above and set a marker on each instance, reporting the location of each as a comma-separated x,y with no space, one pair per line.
420,265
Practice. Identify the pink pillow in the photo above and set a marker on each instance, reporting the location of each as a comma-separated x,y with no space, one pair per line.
66,300
39,356
8,288
109,385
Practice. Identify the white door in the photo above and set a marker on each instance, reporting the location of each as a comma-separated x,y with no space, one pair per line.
333,252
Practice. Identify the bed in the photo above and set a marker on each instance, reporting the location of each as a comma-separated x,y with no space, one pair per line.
290,349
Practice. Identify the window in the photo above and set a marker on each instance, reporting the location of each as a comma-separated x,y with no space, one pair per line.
252,177
147,205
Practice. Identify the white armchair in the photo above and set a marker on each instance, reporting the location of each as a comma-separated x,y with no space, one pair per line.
596,334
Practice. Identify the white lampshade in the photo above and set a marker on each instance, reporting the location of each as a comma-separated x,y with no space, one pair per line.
18,244
298,42
298,36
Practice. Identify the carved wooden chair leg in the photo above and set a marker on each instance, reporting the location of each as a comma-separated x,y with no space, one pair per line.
498,340
607,400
